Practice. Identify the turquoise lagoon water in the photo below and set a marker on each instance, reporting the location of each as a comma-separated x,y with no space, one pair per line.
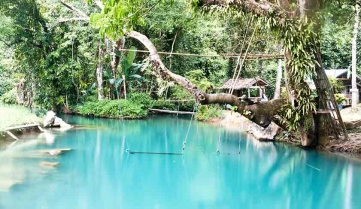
99,173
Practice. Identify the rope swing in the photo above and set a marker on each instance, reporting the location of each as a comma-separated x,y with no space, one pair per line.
189,126
242,63
170,153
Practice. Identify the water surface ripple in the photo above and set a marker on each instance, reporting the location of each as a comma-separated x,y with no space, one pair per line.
99,173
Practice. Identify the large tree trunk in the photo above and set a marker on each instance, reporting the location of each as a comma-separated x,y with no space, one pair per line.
354,90
283,12
119,44
277,94
306,131
99,74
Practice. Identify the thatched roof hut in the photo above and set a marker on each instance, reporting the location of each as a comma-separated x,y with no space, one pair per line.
246,86
243,83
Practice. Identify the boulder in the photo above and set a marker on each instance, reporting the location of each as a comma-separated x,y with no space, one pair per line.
263,134
51,120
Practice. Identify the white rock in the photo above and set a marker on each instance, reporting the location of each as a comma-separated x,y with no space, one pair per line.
49,119
263,134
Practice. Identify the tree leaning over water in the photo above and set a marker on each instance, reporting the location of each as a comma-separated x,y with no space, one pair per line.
297,27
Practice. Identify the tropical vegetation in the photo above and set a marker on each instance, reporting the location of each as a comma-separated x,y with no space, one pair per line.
90,57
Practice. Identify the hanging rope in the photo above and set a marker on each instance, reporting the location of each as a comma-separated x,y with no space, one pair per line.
127,144
240,52
244,58
189,126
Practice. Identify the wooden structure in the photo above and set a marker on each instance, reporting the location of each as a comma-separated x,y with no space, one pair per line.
8,130
172,112
254,88
343,76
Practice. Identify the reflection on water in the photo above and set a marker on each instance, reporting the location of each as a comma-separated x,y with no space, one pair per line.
99,173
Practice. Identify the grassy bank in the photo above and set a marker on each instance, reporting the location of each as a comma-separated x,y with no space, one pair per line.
11,115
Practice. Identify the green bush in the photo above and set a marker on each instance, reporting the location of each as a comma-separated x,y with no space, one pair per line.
186,106
206,112
336,84
5,85
142,98
40,112
9,97
113,109
164,105
340,98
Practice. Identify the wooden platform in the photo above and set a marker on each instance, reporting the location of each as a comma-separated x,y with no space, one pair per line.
35,125
172,112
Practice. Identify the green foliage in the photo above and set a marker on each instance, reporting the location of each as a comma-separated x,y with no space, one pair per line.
207,112
301,41
340,98
5,84
164,105
9,97
336,84
142,99
57,58
336,35
197,77
179,93
40,112
120,16
113,109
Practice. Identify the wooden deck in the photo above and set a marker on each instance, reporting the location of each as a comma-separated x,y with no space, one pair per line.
35,125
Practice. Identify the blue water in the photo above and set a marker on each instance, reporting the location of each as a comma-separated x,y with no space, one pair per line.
99,173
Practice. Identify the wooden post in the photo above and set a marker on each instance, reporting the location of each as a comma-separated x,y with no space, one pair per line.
260,91
125,88
12,135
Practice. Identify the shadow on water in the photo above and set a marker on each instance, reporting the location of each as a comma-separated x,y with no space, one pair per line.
99,173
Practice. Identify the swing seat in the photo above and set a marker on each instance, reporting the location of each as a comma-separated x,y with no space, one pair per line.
155,153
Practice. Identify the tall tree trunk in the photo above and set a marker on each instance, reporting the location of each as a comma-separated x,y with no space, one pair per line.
306,130
99,74
119,44
278,80
354,90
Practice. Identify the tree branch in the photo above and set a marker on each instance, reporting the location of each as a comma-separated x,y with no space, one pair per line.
99,4
261,113
261,7
70,7
74,19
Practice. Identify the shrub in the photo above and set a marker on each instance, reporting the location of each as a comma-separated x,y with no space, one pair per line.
336,84
40,112
164,105
113,109
141,98
340,98
9,97
206,112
